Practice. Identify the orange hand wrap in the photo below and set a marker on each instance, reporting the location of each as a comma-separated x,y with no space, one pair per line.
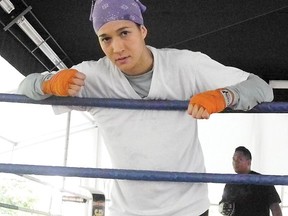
213,101
59,83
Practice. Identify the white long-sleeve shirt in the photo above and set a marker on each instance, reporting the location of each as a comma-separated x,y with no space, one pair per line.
153,139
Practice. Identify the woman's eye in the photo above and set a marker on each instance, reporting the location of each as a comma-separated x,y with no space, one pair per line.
124,33
105,40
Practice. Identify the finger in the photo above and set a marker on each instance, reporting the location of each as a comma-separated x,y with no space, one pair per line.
202,114
189,109
77,81
195,110
73,89
72,92
199,113
80,75
205,114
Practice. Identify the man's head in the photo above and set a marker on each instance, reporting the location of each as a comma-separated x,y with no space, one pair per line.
104,11
242,160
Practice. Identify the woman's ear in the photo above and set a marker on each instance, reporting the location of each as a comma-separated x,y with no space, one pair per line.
144,31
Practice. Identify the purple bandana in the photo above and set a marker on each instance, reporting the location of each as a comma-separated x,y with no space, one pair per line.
105,11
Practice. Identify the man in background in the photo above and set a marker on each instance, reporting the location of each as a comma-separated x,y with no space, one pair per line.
248,199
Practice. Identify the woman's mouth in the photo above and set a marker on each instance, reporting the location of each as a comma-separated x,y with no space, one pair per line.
122,60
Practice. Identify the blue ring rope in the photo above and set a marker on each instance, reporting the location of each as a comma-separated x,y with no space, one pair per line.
143,175
271,107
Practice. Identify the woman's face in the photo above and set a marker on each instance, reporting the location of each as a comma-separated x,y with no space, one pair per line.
123,43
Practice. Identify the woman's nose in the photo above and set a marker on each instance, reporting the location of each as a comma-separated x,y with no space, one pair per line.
118,45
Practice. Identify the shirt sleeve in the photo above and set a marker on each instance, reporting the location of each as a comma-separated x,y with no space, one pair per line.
273,196
31,86
251,92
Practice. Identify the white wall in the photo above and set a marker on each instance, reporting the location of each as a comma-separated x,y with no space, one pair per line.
265,135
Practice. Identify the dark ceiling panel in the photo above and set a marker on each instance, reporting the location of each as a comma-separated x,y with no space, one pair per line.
249,34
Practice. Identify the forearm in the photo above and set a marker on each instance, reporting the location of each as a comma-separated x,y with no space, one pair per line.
31,86
276,209
250,92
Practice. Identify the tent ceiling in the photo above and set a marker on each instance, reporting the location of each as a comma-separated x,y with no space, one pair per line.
251,35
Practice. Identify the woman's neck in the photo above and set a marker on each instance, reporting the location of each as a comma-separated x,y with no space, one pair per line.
145,65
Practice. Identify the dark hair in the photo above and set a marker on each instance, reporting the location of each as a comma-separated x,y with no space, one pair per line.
245,151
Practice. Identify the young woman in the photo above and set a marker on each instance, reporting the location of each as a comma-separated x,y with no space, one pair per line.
150,139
